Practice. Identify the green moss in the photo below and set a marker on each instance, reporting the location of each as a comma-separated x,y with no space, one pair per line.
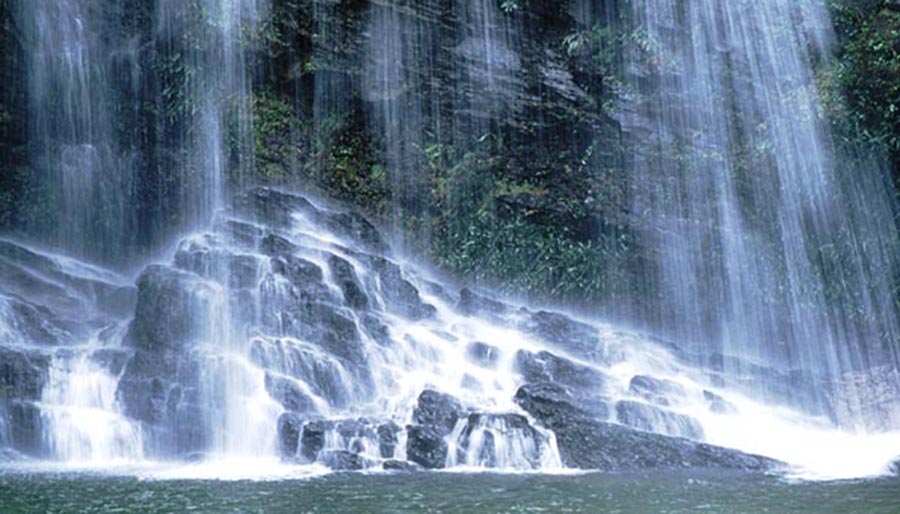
861,88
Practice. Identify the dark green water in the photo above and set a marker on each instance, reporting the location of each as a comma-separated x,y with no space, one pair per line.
441,492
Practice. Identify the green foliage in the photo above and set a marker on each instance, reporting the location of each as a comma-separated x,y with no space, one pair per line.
861,89
273,120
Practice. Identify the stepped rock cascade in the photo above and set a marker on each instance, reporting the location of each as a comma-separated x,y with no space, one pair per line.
172,312
767,249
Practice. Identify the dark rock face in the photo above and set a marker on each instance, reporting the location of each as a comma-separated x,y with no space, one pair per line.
425,446
290,427
503,425
164,318
350,433
439,410
473,304
400,294
289,394
655,390
547,367
345,276
23,374
565,333
387,439
435,416
342,460
400,465
653,419
587,443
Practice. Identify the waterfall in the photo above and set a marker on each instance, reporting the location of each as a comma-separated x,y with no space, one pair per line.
763,250
274,326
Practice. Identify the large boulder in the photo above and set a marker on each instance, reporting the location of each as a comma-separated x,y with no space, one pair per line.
586,442
426,446
170,308
438,410
650,418
560,331
546,367
659,391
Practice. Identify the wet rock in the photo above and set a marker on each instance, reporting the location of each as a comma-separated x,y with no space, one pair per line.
425,446
387,439
355,227
289,394
717,404
25,426
565,333
299,272
312,438
437,410
655,390
23,374
483,354
274,245
342,460
168,301
33,324
400,465
471,304
400,294
345,277
324,375
488,427
274,208
377,330
290,426
653,419
545,367
111,359
209,260
586,442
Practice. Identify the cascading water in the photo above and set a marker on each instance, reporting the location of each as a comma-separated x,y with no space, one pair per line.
766,249
285,328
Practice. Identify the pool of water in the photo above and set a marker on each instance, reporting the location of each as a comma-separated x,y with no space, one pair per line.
715,492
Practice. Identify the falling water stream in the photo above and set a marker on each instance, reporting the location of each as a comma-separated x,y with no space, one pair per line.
281,334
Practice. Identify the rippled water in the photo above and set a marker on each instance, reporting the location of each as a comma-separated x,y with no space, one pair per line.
448,492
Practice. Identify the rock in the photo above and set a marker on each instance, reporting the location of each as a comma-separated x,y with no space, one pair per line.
290,427
387,439
345,277
25,426
425,446
565,333
23,374
483,354
719,405
400,465
289,394
166,315
653,419
209,259
312,438
546,367
438,410
355,227
655,390
111,359
473,304
514,427
400,294
33,324
377,330
274,245
586,442
299,272
271,207
342,460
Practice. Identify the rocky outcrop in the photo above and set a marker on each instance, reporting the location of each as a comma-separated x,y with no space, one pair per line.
587,442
